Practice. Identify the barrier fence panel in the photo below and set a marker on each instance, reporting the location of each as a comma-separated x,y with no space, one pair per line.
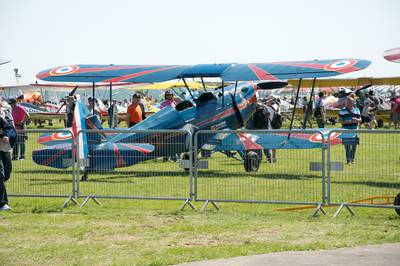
134,164
296,177
39,168
373,178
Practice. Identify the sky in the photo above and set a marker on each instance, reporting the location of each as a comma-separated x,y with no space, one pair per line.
41,34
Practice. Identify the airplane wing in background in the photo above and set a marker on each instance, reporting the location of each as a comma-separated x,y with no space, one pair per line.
392,55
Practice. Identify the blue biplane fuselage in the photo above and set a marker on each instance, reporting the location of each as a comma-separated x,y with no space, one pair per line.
212,110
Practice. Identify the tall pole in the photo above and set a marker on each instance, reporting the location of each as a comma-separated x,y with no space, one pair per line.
93,94
110,93
309,105
294,107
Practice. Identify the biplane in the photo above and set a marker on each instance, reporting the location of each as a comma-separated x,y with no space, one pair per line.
227,108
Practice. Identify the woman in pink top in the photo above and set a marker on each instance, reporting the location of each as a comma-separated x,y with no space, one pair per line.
169,100
20,115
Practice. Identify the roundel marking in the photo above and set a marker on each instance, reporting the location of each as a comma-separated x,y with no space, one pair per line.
64,70
61,136
339,65
317,137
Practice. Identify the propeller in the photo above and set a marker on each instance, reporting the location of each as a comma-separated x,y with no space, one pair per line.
71,93
237,111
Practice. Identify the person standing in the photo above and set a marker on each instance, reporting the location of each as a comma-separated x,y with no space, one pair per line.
374,107
20,116
7,140
70,108
92,106
319,112
366,114
350,117
134,113
396,112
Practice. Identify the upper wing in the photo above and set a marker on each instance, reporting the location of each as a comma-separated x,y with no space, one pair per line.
227,72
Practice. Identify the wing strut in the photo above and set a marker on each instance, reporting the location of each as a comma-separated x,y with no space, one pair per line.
93,94
202,82
309,105
223,94
191,95
234,94
294,107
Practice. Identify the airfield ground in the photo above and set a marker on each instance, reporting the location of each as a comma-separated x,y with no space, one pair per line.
139,232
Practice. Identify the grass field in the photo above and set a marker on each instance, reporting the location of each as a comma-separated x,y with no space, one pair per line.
140,232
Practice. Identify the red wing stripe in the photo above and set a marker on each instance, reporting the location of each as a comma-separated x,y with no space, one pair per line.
307,65
94,69
54,157
248,143
118,157
139,74
261,73
137,148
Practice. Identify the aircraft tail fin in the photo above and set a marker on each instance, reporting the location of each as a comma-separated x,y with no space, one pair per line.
78,124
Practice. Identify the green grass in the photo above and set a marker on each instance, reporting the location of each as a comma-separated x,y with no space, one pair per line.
140,232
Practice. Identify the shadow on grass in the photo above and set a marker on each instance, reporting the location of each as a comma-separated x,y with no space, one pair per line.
369,183
202,175
38,171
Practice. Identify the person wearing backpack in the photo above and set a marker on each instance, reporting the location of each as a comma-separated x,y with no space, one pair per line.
319,112
260,117
8,137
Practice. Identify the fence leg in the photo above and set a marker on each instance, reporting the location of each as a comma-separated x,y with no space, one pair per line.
340,209
187,202
88,198
206,203
319,209
70,199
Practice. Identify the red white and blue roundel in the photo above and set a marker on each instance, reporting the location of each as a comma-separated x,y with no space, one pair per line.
317,137
64,70
55,138
339,65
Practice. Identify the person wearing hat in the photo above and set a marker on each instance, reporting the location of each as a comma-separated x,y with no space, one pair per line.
20,116
168,100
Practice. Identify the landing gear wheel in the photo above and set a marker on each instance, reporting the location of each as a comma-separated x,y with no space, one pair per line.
397,203
251,161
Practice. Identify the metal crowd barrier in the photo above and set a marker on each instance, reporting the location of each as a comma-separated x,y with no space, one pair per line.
296,177
373,178
142,165
210,168
29,179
